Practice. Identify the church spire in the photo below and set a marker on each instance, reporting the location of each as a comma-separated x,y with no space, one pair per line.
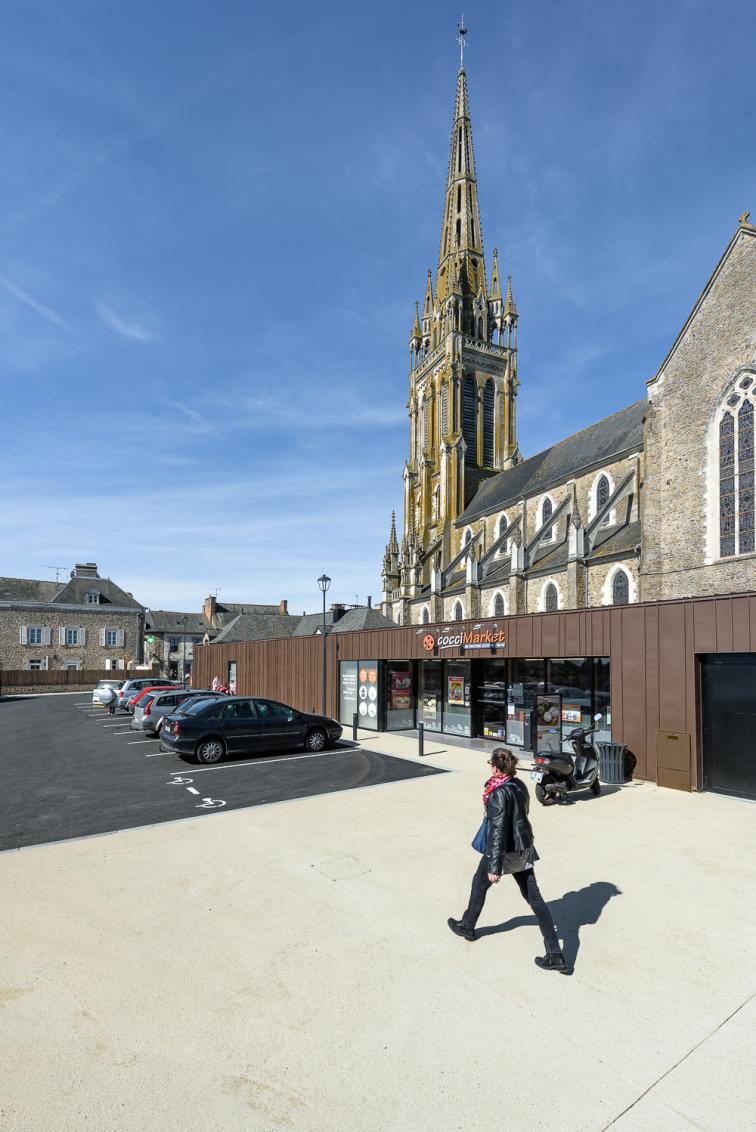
460,231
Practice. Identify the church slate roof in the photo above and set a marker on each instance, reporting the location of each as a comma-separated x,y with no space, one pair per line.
599,444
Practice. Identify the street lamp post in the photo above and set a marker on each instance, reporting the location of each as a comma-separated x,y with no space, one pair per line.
183,659
324,582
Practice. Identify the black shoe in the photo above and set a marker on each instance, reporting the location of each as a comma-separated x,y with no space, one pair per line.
459,927
552,963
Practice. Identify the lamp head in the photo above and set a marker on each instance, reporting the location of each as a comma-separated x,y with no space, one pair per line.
324,582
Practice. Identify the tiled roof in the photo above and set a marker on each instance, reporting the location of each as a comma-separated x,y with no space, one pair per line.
166,621
600,444
75,591
361,617
258,627
27,589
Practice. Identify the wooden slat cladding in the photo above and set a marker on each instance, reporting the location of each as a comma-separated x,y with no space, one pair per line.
653,649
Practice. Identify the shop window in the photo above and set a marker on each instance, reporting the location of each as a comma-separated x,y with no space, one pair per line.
400,696
572,679
492,699
430,706
601,697
456,719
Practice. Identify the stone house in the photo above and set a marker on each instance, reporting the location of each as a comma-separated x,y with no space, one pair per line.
87,622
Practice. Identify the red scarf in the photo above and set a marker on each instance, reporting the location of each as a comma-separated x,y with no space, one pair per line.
496,780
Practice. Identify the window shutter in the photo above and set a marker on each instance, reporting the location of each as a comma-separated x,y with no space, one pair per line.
23,634
47,636
82,636
61,636
121,664
45,663
102,636
121,637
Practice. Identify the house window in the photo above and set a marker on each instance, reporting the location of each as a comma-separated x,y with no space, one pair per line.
35,665
111,637
72,666
735,460
620,588
603,492
173,644
458,611
35,636
72,636
499,609
550,598
93,598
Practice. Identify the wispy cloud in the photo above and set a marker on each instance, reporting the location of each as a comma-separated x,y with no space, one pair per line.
43,311
113,321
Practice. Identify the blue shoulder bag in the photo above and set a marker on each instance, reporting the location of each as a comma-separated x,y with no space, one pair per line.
480,840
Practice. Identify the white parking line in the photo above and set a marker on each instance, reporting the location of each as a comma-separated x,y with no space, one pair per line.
264,762
122,732
158,754
137,742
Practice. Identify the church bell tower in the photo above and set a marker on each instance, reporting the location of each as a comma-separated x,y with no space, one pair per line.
462,380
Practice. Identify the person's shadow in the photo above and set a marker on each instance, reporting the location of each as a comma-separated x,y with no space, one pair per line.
571,912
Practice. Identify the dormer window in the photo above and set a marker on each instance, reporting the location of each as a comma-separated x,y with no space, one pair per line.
93,597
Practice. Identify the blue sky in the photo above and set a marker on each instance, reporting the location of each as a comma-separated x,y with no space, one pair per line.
214,221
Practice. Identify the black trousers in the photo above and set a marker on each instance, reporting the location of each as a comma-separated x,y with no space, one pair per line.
526,882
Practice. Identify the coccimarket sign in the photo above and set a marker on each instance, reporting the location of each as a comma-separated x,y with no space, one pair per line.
463,638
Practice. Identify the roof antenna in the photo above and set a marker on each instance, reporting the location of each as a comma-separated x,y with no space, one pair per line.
462,42
57,570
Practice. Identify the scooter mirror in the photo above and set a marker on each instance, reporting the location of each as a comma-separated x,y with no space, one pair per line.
597,717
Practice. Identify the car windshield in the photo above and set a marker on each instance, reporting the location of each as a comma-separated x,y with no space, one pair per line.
194,707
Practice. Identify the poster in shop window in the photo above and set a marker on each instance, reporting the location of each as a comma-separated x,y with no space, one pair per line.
367,693
456,690
401,690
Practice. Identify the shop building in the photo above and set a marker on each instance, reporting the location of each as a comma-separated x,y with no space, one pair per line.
675,681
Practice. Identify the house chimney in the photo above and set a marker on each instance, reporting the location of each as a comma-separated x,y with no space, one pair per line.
85,570
370,602
208,609
337,612
283,607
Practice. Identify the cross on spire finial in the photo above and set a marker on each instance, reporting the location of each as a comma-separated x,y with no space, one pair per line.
462,42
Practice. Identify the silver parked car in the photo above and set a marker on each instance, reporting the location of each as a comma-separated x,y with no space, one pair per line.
133,687
150,711
99,694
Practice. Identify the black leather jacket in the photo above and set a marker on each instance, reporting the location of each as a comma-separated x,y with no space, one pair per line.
509,831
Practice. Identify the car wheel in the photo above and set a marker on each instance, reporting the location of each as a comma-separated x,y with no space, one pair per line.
210,751
316,739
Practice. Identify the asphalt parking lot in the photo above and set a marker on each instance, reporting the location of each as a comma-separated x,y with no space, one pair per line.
71,770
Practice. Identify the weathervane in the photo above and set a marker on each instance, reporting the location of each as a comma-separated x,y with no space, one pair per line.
462,42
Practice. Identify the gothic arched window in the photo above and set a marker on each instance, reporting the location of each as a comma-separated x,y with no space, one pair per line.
468,537
503,525
458,611
735,467
469,399
603,491
426,616
620,588
488,424
547,510
425,425
498,608
444,410
550,598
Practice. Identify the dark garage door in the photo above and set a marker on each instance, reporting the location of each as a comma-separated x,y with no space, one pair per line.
729,724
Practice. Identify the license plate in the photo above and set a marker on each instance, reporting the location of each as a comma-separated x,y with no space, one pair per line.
536,775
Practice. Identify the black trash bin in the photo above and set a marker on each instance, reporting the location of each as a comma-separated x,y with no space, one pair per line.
612,763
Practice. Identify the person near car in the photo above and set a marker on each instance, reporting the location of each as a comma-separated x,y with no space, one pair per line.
215,684
111,700
509,850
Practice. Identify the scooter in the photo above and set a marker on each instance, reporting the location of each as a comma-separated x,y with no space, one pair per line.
556,776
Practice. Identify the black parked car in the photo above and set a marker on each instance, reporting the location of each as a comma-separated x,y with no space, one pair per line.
240,725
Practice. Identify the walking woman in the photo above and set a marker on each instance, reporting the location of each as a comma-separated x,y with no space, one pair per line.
509,849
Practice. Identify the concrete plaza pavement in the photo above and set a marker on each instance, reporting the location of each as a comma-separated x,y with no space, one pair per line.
290,967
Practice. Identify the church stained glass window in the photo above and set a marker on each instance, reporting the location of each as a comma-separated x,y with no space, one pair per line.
488,424
727,485
445,410
550,598
458,613
745,478
498,606
547,510
620,588
603,492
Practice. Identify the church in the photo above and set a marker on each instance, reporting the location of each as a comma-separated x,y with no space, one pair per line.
654,502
